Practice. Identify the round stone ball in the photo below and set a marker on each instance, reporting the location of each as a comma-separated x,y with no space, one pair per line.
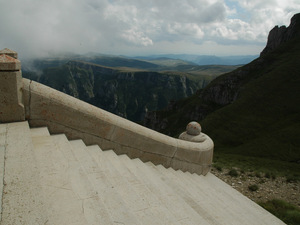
193,128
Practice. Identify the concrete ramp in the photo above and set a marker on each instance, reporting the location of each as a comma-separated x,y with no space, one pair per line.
48,179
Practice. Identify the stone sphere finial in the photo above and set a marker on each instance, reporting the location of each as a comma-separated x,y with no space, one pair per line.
193,128
193,133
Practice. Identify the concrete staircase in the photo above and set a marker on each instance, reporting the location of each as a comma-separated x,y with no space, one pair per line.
48,179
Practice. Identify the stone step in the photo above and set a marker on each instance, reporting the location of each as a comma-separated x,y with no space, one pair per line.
49,180
201,204
218,208
97,174
22,199
227,205
64,205
137,186
249,209
39,132
243,214
146,204
222,207
132,196
215,207
181,211
93,207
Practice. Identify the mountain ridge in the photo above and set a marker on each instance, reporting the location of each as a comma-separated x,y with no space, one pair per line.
244,110
126,92
204,59
107,86
279,35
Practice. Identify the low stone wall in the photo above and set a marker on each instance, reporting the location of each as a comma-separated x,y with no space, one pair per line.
62,113
22,99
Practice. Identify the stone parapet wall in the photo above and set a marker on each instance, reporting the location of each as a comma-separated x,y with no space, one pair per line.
62,113
22,99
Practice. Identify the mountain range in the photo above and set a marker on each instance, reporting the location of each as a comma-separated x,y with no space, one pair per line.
204,59
252,111
248,110
124,86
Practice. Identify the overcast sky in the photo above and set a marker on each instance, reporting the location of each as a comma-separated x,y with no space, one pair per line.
141,27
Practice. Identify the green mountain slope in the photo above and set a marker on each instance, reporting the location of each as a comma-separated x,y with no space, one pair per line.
253,111
264,120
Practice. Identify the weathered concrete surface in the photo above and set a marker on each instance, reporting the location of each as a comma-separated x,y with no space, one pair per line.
103,182
51,180
9,52
65,114
11,98
153,189
62,183
93,207
3,133
8,63
22,201
39,132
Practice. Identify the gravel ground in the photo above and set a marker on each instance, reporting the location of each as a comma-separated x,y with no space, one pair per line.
268,188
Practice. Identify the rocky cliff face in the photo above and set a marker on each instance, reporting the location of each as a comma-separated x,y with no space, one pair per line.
130,94
222,91
279,35
226,89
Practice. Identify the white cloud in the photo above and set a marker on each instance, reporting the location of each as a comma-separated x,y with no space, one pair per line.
136,37
35,27
185,29
235,29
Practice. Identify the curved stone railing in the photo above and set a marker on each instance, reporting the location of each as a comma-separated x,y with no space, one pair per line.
62,113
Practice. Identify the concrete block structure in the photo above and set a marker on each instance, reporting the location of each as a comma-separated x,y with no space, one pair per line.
11,97
63,161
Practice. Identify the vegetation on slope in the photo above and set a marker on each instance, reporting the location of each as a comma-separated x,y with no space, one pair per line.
250,113
288,213
264,121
